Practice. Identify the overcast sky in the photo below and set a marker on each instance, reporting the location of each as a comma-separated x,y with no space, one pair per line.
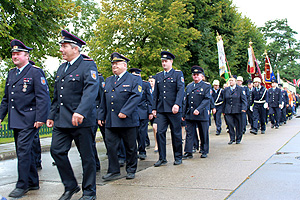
261,11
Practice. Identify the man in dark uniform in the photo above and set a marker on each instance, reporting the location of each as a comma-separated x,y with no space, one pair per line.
249,101
239,82
27,102
285,102
217,95
196,112
73,116
235,103
167,107
260,104
145,114
122,94
275,104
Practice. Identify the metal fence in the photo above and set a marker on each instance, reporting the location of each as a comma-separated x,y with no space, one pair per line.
6,133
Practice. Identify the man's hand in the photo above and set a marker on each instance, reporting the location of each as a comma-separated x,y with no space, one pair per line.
38,124
243,110
150,116
77,119
50,123
154,113
175,109
101,123
122,116
214,111
196,112
182,118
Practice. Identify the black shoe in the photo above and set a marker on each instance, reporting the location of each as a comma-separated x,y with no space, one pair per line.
33,188
84,197
130,176
218,133
121,162
53,163
98,169
187,156
39,167
204,155
142,156
110,176
253,132
276,127
201,151
147,146
238,142
284,122
160,162
17,192
263,132
194,150
230,142
68,194
177,162
272,125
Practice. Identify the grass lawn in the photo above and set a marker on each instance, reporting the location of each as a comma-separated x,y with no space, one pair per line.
8,140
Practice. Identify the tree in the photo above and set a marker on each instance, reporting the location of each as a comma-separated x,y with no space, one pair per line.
141,30
36,22
210,17
283,49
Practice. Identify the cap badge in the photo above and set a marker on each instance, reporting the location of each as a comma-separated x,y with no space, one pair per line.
15,47
165,56
196,70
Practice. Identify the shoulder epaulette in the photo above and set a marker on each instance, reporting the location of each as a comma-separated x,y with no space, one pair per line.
177,70
36,67
189,83
159,72
206,83
88,59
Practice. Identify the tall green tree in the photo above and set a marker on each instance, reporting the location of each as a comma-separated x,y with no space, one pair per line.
210,17
35,22
141,30
283,49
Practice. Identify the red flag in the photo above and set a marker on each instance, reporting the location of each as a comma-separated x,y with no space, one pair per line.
253,67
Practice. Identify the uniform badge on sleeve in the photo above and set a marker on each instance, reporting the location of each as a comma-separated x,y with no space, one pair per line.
140,88
43,80
103,84
94,74
182,79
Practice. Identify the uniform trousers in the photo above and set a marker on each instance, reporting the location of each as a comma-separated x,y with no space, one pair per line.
250,117
218,120
274,114
95,149
142,134
234,123
283,114
244,122
163,120
203,127
61,143
37,150
113,139
24,139
259,116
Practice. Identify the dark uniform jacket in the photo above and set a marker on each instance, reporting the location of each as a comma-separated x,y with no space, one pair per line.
250,97
285,97
218,98
75,91
275,97
259,98
198,97
26,98
100,93
145,105
234,101
121,97
168,91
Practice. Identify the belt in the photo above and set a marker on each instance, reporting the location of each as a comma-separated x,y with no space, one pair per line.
216,104
256,101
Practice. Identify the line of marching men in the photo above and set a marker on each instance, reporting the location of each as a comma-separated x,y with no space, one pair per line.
121,106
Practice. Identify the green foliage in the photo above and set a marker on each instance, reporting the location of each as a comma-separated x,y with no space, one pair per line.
283,49
212,16
35,22
141,30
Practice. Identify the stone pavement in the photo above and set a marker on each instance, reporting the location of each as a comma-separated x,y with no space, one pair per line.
261,167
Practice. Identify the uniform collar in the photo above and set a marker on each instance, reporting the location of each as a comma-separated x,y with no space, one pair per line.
74,60
21,69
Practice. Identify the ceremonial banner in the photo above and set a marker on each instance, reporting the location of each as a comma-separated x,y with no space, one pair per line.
252,67
269,72
278,77
223,69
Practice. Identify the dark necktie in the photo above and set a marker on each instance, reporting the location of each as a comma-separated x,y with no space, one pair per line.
117,77
67,66
18,72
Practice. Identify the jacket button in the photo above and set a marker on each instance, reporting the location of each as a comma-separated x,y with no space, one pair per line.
60,95
165,97
113,90
12,107
62,88
112,110
73,79
112,96
30,109
62,80
61,104
12,92
164,91
12,99
14,86
112,102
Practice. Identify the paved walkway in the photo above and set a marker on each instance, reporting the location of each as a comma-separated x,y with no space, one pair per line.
261,167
